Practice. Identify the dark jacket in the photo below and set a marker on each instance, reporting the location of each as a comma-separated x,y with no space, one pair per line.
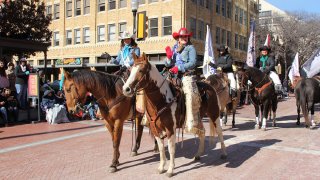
2,98
270,64
225,62
49,101
21,77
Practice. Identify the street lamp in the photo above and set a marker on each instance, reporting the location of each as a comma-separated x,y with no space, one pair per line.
134,8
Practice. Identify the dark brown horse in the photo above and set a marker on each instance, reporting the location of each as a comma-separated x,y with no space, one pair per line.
166,110
262,94
115,108
220,83
307,93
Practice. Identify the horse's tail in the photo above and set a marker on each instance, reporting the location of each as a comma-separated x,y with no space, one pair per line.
213,130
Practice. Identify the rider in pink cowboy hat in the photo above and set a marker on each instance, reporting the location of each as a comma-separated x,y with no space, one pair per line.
182,56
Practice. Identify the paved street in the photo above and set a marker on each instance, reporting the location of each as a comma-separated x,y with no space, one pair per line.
83,150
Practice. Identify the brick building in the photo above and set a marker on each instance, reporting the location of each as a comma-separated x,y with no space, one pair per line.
84,29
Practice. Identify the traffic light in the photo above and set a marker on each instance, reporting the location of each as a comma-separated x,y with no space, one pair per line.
142,26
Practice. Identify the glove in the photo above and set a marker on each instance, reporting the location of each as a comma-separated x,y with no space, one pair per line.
27,72
234,68
174,70
219,69
169,52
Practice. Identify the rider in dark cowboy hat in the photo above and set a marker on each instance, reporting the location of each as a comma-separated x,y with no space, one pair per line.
266,63
224,64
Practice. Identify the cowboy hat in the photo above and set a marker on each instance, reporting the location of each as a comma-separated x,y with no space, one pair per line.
265,48
182,32
126,35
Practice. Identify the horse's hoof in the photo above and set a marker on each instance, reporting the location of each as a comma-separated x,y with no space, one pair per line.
307,126
264,128
112,169
274,125
161,171
156,150
169,174
134,153
223,156
197,158
298,123
312,127
233,126
256,127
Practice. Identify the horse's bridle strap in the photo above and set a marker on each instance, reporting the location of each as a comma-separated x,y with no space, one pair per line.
263,87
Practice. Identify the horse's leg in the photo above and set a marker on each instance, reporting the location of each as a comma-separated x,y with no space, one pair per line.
221,117
117,133
138,140
172,151
257,111
156,147
265,113
274,111
201,146
298,112
225,117
162,155
234,109
223,146
313,124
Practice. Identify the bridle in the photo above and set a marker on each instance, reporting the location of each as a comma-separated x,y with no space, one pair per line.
253,87
76,99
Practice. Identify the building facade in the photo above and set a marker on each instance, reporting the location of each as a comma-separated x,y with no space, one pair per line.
84,29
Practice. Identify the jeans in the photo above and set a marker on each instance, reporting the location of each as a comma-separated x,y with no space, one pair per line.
13,112
22,95
4,114
92,109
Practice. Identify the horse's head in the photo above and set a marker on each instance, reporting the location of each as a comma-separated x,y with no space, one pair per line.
138,75
75,94
243,77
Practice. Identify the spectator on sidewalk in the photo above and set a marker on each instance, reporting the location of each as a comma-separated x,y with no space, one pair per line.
4,82
90,107
22,74
3,109
11,105
12,78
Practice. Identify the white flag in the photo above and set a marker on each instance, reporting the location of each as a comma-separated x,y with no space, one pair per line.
311,66
208,56
251,55
267,42
294,71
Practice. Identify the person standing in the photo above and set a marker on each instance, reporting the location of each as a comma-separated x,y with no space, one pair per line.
22,74
4,82
11,77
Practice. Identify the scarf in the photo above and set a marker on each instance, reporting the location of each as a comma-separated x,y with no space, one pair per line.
263,59
23,68
125,52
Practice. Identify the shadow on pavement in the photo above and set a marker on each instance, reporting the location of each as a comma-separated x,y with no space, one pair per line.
50,132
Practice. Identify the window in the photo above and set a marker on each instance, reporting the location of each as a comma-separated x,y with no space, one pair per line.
265,14
153,27
245,19
236,14
101,33
223,7
201,30
229,38
85,60
201,3
193,27
241,16
77,39
56,39
208,4
223,36
101,5
122,3
77,8
167,25
112,4
111,32
86,7
122,28
49,10
218,6
236,41
68,37
217,35
86,35
151,1
69,8
229,10
56,11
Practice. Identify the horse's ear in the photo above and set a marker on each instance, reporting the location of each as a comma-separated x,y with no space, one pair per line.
144,56
134,56
66,74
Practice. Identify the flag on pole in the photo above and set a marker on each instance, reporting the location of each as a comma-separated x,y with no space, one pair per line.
208,56
267,42
311,66
251,55
294,71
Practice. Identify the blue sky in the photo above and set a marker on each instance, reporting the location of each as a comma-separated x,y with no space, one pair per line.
311,6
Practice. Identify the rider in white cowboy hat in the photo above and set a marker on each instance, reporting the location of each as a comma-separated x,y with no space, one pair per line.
128,46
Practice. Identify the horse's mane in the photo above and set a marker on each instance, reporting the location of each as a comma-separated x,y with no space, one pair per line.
97,80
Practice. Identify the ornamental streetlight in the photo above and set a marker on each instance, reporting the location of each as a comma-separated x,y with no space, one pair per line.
134,8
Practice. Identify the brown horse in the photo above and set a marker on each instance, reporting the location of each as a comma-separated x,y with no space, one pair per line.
114,107
166,110
262,94
227,104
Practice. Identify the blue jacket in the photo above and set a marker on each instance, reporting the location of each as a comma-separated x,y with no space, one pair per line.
120,61
185,60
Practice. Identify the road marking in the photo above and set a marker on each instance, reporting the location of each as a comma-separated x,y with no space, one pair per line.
233,141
